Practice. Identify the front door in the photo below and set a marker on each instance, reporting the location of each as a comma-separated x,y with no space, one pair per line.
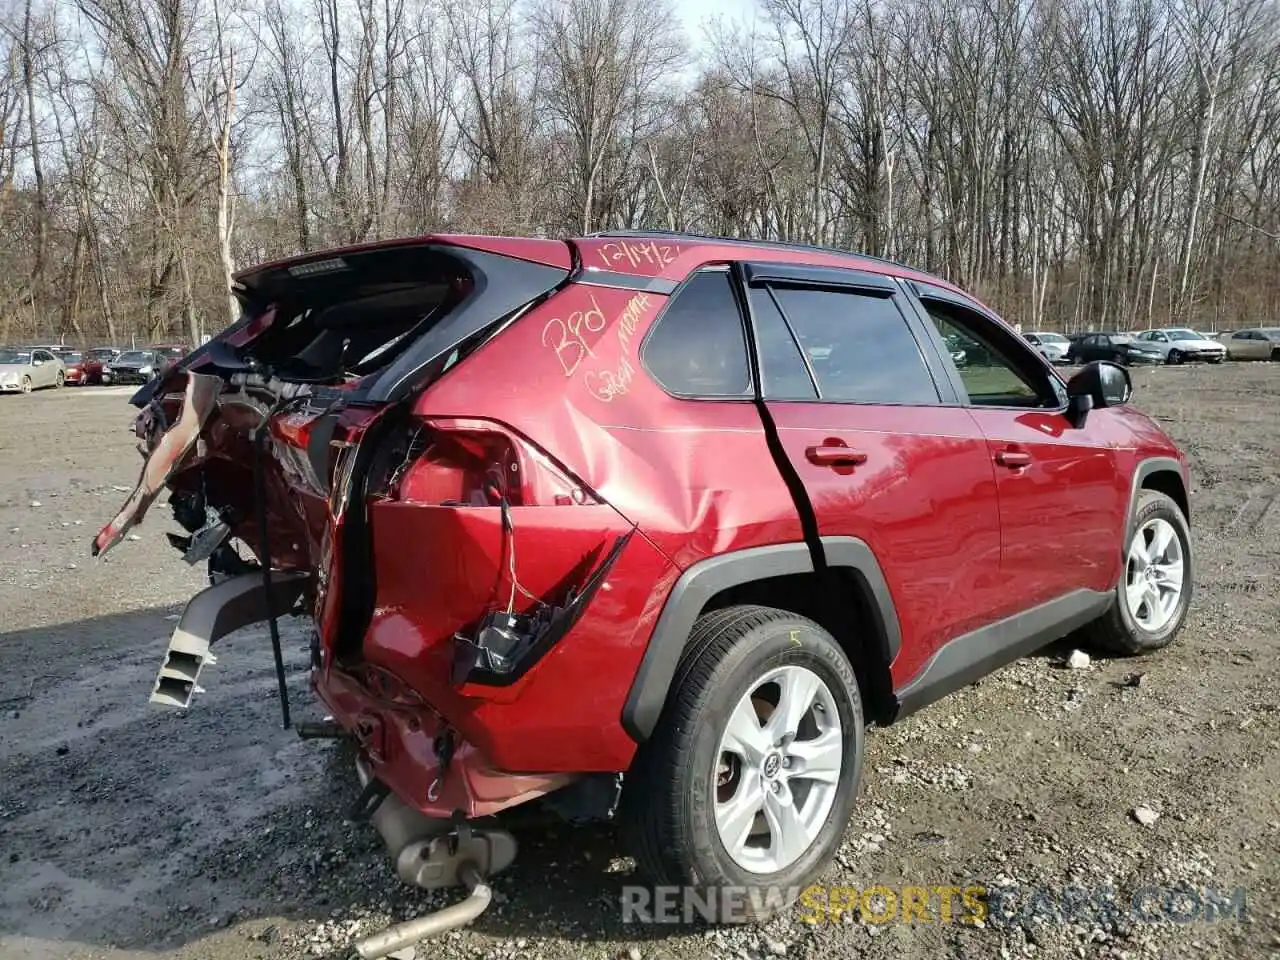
862,418
1059,487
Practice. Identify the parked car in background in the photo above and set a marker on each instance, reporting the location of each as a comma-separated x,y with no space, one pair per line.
696,571
1259,343
1112,345
54,348
73,360
24,369
1052,346
168,354
132,366
1180,344
91,366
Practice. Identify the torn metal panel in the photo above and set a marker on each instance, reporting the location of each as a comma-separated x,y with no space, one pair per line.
173,447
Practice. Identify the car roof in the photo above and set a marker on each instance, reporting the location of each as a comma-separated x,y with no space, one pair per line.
664,254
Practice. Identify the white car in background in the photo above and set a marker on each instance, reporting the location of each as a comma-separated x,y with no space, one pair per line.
1052,346
24,369
1180,344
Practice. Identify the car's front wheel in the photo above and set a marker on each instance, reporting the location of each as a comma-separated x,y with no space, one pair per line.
1175,356
1154,592
59,379
742,794
26,385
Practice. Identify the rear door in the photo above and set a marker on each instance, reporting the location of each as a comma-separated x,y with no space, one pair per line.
1062,497
884,452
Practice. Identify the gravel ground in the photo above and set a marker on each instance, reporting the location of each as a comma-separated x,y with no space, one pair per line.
128,832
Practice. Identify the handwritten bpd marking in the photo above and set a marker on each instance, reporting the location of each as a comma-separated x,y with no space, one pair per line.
568,336
655,254
607,384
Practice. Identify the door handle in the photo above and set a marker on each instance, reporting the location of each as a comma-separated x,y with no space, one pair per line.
1013,459
835,456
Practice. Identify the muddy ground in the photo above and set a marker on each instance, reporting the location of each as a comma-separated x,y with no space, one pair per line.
127,831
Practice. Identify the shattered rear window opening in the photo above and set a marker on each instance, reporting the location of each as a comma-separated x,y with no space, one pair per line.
353,321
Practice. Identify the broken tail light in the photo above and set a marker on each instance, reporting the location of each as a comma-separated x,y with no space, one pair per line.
471,464
460,462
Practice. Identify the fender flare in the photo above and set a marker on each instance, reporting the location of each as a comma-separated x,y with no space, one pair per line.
1149,467
703,580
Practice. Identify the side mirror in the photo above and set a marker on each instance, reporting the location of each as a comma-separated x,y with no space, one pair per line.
1099,384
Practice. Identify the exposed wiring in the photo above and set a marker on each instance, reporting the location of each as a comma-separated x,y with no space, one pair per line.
509,531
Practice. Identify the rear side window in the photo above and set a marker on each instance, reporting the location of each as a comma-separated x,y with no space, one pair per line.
859,346
697,348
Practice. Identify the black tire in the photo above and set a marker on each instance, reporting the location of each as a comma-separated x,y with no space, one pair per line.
1275,353
59,379
1175,356
668,812
1117,632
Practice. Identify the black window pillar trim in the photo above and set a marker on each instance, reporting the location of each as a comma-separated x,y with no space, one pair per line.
935,347
805,513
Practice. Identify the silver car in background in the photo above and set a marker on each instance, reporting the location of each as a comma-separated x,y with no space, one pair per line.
24,369
1256,343
1052,346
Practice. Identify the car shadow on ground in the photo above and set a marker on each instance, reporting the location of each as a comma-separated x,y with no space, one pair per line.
128,825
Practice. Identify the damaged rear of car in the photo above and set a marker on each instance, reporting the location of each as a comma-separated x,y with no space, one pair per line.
440,553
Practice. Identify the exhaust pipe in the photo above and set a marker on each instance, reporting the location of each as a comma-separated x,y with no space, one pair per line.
405,934
432,854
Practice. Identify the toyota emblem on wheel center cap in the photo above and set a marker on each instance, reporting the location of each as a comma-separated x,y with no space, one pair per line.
772,764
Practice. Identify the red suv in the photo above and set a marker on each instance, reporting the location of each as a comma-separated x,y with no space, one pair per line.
646,524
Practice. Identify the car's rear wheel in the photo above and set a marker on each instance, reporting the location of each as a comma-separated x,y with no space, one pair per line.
742,794
1275,353
1154,591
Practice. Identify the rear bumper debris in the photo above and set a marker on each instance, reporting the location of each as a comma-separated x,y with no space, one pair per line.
212,614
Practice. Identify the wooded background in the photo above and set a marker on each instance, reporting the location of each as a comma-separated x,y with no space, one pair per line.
1076,163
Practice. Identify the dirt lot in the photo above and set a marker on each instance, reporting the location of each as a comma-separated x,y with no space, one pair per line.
127,831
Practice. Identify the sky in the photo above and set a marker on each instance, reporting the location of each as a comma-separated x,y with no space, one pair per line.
695,12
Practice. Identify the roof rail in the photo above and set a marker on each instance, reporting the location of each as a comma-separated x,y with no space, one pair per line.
779,244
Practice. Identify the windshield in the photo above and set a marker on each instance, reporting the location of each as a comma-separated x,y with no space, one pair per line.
71,357
13,356
135,356
1183,334
102,353
1272,333
1052,338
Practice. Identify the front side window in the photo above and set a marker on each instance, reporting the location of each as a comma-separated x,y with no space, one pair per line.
858,346
990,376
697,347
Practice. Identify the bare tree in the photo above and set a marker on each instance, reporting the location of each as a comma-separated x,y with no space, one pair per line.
606,60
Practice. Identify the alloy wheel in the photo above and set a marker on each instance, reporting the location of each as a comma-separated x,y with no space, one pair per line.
779,767
1154,574
26,384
